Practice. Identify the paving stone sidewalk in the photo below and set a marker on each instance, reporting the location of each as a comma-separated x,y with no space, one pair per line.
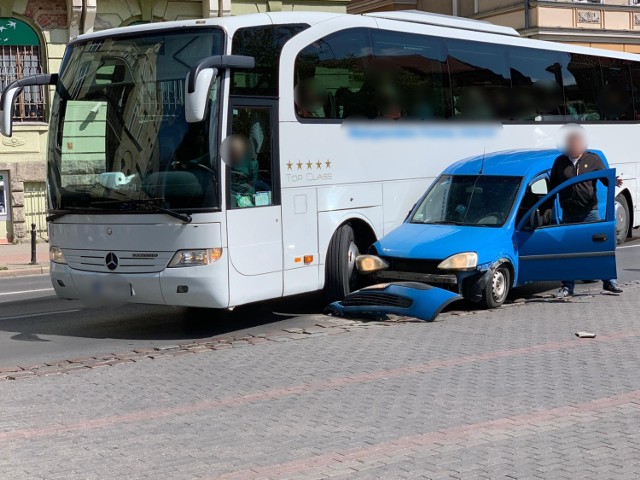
510,393
15,259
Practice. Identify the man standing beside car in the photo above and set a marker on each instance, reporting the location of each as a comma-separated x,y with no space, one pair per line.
580,202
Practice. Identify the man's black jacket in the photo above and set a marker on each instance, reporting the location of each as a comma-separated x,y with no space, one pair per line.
582,196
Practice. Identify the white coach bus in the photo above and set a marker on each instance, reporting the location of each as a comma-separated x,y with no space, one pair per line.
336,125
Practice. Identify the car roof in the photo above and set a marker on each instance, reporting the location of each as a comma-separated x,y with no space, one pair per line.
520,163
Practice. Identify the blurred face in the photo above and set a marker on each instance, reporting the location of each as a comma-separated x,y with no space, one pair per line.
237,151
576,145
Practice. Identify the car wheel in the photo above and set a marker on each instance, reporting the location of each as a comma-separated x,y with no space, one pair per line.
497,288
622,219
341,276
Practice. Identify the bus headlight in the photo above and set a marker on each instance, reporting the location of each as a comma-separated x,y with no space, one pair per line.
370,263
189,258
56,255
460,261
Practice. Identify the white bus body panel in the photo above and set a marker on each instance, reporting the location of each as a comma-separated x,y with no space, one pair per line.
144,244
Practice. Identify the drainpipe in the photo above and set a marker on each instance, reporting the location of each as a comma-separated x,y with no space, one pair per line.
454,7
527,21
221,8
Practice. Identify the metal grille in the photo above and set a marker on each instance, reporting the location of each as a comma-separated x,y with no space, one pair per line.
35,206
18,62
377,299
414,265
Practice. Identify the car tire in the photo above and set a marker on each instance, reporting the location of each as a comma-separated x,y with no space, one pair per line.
496,290
341,274
622,219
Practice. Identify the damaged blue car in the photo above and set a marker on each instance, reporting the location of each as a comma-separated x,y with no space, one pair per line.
486,225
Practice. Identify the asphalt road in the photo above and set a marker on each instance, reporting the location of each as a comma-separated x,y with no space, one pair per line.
36,326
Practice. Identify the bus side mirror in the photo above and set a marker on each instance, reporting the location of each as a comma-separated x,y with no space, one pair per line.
11,92
200,78
195,103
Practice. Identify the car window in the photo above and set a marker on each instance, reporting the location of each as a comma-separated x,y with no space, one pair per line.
474,200
583,202
537,189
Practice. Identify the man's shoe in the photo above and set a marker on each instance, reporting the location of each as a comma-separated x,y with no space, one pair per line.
612,287
564,292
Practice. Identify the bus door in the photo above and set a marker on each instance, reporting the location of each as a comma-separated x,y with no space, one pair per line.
254,215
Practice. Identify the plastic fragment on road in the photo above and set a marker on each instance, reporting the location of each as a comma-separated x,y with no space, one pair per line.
585,335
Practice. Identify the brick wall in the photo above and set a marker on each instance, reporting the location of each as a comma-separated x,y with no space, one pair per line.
48,13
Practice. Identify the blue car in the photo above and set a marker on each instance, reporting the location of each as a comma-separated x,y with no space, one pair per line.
485,225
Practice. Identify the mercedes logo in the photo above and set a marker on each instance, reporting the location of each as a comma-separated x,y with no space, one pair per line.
111,260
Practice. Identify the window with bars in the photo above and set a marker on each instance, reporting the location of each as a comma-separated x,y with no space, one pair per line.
20,57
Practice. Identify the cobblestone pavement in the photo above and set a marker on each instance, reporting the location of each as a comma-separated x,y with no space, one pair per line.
510,393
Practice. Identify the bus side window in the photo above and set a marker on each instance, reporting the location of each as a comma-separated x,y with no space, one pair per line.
615,97
419,74
582,82
480,79
537,84
333,68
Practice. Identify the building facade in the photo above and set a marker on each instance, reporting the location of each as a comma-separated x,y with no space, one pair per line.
610,24
33,37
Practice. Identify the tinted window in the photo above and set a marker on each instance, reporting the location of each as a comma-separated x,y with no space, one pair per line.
536,76
412,78
330,77
264,44
615,97
582,84
635,88
479,79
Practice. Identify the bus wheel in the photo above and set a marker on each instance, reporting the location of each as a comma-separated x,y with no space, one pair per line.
622,219
341,277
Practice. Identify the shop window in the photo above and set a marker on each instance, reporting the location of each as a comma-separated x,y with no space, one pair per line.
20,57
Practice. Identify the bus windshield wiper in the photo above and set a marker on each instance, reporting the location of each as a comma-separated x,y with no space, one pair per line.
150,203
66,211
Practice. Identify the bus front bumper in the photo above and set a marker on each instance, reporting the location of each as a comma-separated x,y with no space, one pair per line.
189,286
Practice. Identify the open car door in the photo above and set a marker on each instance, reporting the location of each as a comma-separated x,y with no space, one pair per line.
569,248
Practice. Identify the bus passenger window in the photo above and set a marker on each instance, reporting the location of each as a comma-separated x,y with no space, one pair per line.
249,158
479,79
536,76
615,97
335,68
420,78
582,82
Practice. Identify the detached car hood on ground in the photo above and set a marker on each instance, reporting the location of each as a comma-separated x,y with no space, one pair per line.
420,241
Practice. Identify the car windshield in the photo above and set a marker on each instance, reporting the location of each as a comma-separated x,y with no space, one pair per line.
478,200
119,138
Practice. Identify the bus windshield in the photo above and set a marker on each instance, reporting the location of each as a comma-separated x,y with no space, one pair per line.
119,139
473,200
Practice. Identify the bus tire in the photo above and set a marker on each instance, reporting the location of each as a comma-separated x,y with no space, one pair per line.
341,273
622,219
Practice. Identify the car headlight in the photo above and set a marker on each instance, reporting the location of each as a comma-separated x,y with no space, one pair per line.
370,263
56,255
460,261
189,258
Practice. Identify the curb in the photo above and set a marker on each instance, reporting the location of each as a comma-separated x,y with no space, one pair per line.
24,272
